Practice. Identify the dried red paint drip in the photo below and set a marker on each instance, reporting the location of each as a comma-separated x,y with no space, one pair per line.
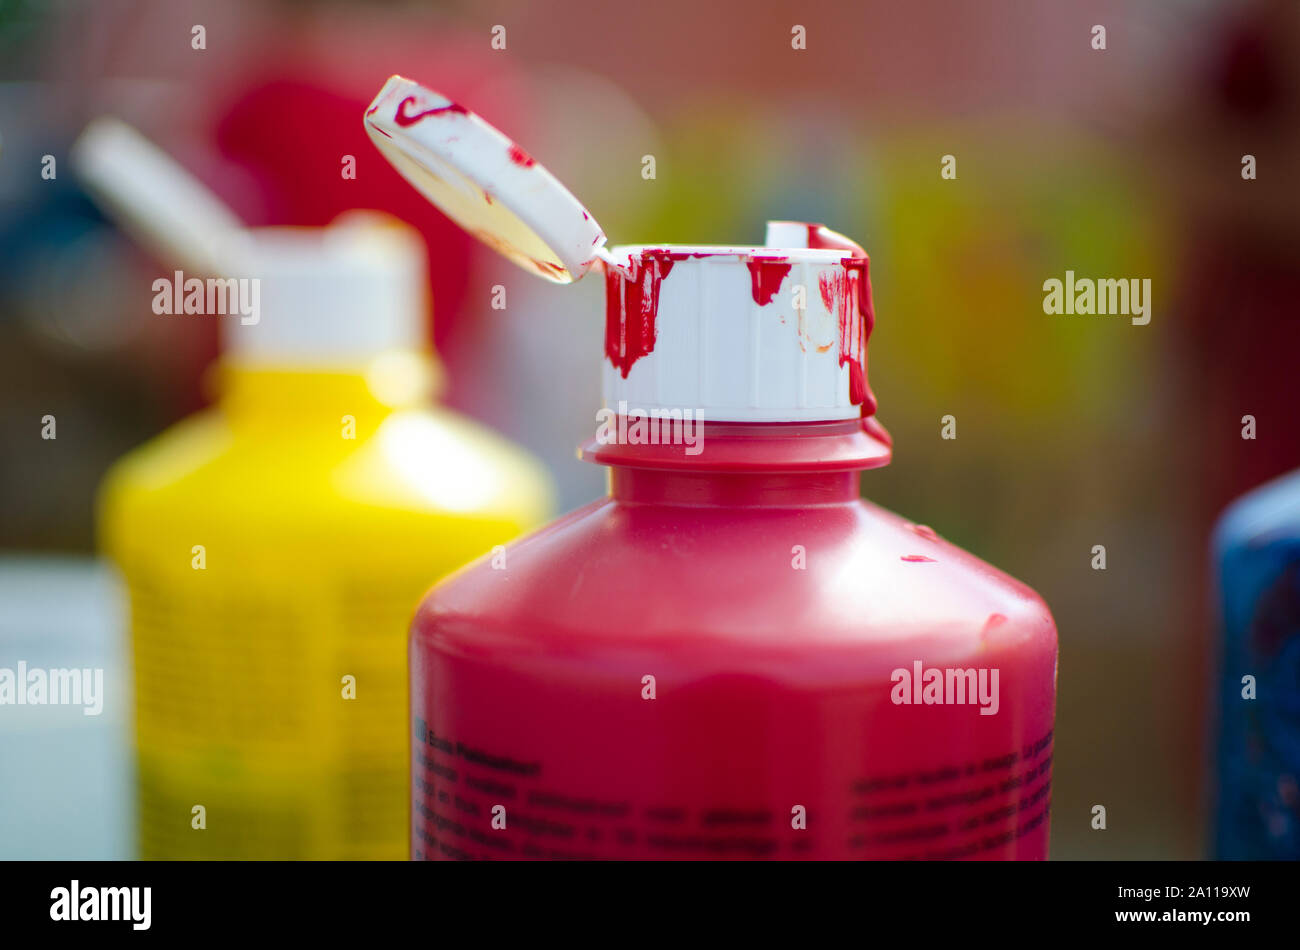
847,294
521,158
403,119
632,307
765,277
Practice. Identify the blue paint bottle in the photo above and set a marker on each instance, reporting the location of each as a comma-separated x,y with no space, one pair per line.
1257,776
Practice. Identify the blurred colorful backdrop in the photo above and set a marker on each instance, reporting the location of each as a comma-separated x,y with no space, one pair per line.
1072,431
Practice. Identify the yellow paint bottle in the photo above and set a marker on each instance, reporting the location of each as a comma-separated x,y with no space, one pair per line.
274,547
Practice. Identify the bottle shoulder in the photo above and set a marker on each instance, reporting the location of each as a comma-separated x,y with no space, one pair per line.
1261,516
426,461
848,572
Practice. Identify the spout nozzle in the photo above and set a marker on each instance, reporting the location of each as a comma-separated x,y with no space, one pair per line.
169,211
805,234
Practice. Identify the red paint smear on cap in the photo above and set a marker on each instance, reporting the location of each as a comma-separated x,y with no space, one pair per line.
403,119
765,277
632,306
847,294
520,157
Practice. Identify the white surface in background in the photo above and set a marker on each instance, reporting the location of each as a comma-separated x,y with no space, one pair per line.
66,779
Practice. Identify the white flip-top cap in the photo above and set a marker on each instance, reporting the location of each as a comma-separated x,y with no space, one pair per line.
333,296
742,334
774,333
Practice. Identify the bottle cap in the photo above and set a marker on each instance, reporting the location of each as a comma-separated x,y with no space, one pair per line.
772,333
332,297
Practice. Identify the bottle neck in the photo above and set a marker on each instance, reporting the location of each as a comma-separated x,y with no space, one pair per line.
740,464
253,392
730,490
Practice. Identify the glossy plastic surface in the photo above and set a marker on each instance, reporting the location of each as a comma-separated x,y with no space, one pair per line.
767,613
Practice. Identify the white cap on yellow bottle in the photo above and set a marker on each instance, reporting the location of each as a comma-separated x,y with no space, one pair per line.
332,295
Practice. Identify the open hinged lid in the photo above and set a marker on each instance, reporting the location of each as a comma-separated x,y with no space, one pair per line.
484,181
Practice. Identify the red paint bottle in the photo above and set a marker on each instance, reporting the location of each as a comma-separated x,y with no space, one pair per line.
732,655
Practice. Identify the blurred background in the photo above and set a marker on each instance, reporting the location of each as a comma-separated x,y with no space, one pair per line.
1072,431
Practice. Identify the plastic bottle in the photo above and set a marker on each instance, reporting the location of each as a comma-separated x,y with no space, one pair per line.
732,655
274,547
1257,779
